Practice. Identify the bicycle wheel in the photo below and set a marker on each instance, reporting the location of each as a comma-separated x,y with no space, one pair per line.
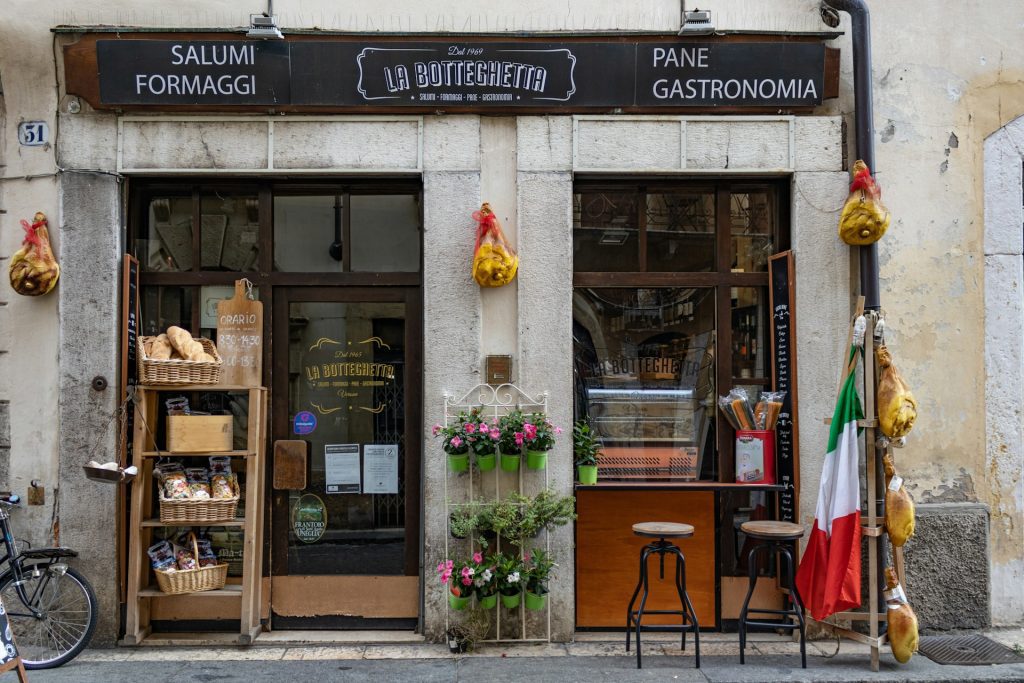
68,607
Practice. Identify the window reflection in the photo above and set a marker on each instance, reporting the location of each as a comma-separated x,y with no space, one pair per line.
644,364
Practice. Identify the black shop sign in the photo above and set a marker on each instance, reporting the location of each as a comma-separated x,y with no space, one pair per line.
463,73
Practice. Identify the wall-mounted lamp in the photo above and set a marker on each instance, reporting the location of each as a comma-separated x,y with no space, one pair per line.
695,22
264,26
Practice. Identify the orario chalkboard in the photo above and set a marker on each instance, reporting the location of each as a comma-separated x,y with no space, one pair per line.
782,275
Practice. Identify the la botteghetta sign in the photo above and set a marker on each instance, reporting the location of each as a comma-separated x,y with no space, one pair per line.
460,73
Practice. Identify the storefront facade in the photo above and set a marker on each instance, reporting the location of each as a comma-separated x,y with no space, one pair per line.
401,188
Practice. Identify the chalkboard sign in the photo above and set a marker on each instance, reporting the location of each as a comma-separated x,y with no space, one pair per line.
130,319
782,275
240,338
9,657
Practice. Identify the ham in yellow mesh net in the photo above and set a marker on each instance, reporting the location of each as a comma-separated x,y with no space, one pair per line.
864,219
34,270
494,260
897,409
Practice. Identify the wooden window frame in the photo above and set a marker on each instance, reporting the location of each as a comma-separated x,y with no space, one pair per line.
721,278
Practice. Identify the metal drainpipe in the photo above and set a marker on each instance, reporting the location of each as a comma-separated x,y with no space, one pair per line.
864,115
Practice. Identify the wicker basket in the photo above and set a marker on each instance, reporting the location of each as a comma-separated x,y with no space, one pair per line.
192,580
202,512
163,372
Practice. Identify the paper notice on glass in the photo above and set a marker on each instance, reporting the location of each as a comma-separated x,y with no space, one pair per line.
341,468
380,468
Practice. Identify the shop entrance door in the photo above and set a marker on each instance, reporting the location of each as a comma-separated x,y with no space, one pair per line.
346,380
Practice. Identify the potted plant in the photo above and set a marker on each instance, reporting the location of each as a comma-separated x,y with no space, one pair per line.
510,443
546,510
538,438
462,521
454,444
459,580
485,581
586,448
538,571
483,440
472,629
510,578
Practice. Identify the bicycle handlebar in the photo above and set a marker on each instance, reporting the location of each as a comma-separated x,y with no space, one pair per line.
10,499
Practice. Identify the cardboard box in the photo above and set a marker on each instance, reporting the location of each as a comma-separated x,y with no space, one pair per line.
199,433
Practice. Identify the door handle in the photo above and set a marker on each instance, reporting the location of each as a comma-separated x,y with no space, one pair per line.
290,464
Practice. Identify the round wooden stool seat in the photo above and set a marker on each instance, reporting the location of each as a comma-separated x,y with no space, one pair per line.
772,531
663,529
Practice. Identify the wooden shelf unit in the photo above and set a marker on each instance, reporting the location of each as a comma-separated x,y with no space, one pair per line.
252,460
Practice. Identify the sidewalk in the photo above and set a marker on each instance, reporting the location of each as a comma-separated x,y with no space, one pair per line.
593,657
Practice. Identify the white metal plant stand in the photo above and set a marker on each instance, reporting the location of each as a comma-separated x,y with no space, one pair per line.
493,402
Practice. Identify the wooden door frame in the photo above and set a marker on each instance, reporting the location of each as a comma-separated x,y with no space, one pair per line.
278,362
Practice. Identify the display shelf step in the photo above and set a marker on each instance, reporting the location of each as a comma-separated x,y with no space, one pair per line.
168,454
227,522
229,591
195,387
860,423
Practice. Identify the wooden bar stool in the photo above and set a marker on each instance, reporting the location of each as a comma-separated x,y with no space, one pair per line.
661,531
777,538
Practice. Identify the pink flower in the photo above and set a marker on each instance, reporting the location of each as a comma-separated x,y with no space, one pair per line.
456,441
495,434
466,581
558,430
437,429
478,557
470,427
530,431
519,438
484,426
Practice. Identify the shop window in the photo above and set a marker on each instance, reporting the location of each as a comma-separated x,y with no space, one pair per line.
323,233
670,311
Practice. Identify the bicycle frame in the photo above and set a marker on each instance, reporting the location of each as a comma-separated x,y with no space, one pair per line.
15,562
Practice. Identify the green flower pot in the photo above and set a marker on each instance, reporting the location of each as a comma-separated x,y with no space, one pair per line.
457,603
536,460
588,474
536,602
486,463
510,462
458,463
489,601
510,601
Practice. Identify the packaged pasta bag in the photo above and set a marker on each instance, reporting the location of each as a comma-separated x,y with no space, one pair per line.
494,260
737,409
173,480
198,482
766,412
207,558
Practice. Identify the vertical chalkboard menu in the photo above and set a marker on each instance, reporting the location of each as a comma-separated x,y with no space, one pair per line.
130,319
781,299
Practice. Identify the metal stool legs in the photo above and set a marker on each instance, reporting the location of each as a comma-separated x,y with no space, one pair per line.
689,616
782,549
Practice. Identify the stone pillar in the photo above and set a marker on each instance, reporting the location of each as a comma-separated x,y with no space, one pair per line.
451,322
89,347
544,182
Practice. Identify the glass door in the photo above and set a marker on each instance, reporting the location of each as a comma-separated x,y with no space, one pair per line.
346,378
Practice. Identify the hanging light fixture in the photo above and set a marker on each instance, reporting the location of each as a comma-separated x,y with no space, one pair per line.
264,26
695,22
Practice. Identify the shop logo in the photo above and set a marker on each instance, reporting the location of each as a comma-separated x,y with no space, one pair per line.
309,518
305,422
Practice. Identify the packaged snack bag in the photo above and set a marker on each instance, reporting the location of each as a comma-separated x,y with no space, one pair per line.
161,556
184,557
222,486
173,480
207,558
198,482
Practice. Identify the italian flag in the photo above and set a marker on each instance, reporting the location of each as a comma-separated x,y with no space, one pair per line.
829,574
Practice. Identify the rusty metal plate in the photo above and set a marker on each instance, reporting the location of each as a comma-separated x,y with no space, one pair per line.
290,465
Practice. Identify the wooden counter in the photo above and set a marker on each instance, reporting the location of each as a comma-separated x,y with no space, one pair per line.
608,553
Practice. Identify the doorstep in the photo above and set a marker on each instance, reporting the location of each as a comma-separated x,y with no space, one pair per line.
284,638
